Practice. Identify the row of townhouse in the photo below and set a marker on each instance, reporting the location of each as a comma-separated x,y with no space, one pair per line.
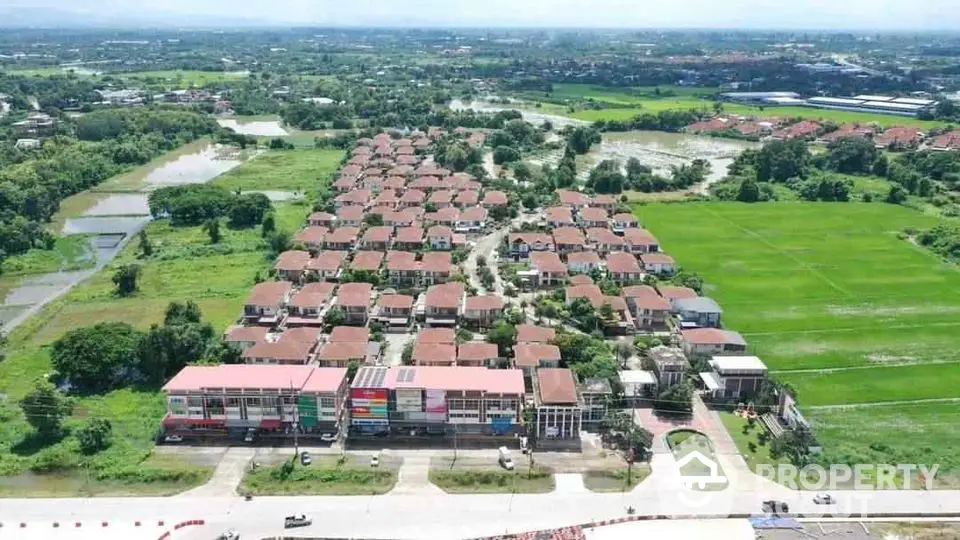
400,199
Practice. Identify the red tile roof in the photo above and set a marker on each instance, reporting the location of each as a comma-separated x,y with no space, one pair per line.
434,353
354,294
413,196
621,262
320,217
437,335
378,234
556,386
437,261
475,213
603,237
902,136
467,197
439,231
312,295
395,301
531,238
441,197
343,351
547,261
409,235
292,260
357,196
302,334
948,141
269,293
559,214
581,279
572,198
711,336
624,217
245,333
583,291
583,257
402,261
568,236
527,333
531,354
487,302
676,293
343,235
495,197
646,297
367,260
281,351
477,352
447,295
327,260
350,213
349,334
656,258
638,237
593,214
311,235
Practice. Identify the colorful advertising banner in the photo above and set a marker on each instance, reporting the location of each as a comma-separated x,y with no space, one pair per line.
436,401
409,400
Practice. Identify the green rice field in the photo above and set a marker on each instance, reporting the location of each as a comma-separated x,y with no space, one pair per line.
284,170
837,304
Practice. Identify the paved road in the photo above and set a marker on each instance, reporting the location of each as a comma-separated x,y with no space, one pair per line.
486,246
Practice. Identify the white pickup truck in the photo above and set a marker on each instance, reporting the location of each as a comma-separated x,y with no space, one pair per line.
505,460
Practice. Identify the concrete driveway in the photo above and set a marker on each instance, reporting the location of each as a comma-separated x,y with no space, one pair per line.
395,343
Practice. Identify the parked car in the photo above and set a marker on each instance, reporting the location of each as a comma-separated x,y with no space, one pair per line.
328,437
776,507
375,460
173,439
300,520
824,498
305,458
505,458
229,534
250,436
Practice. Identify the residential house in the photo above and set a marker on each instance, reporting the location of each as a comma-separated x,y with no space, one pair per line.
466,199
712,342
349,334
568,239
559,216
607,202
669,365
522,244
623,267
408,238
581,279
436,267
345,184
354,299
640,241
482,311
494,198
591,217
595,394
412,197
604,241
244,337
899,138
550,270
440,237
434,354
403,269
472,219
321,219
477,354
946,142
342,239
309,304
846,131
622,320
291,265
639,386
735,377
396,183
281,352
700,311
437,335
624,221
445,216
350,216
573,199
425,183
401,171
367,261
650,311
443,303
528,333
312,238
394,310
805,129
584,262
387,199
658,263
327,264
356,197
441,199
341,354
376,238
530,356
266,300
375,185
559,413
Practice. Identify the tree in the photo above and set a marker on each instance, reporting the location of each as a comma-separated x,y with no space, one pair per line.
212,228
98,358
678,398
749,191
125,279
852,155
249,209
623,351
268,225
45,407
145,247
582,138
182,313
352,367
504,336
373,220
167,349
583,313
606,177
279,241
406,356
95,435
335,317
896,195
505,154
464,336
794,445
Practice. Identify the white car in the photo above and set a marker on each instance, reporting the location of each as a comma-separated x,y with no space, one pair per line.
328,437
173,439
230,534
824,498
375,460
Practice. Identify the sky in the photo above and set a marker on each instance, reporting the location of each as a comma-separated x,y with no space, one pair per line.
762,14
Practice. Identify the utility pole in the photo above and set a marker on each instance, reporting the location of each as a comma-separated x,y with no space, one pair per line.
296,421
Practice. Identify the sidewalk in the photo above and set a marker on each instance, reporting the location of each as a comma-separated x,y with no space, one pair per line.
414,477
226,478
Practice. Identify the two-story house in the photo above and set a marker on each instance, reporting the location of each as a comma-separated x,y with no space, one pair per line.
607,202
522,244
443,303
367,261
394,310
482,311
472,219
444,216
308,305
403,270
311,238
321,219
342,239
624,221
549,269
559,216
712,342
434,354
387,199
441,199
530,356
350,216
436,267
440,237
292,265
327,265
244,337
494,198
266,301
650,311
699,311
573,199
466,199
399,220
604,241
412,197
592,217
640,241
623,267
408,238
376,238
354,299
584,262
356,197
658,263
477,354
568,240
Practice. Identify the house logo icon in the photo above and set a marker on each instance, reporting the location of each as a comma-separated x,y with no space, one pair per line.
699,480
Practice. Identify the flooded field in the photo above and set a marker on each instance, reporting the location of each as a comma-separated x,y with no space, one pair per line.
530,116
194,163
257,128
123,204
660,151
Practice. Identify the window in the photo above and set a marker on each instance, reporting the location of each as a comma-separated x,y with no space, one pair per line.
327,403
253,402
471,404
178,406
233,402
195,402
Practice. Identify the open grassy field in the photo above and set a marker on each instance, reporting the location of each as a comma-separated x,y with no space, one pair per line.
323,477
180,269
832,300
615,481
181,78
494,480
69,253
283,170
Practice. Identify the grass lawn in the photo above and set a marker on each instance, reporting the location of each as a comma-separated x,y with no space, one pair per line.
320,478
494,480
684,442
69,253
283,170
184,267
819,288
615,481
754,450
